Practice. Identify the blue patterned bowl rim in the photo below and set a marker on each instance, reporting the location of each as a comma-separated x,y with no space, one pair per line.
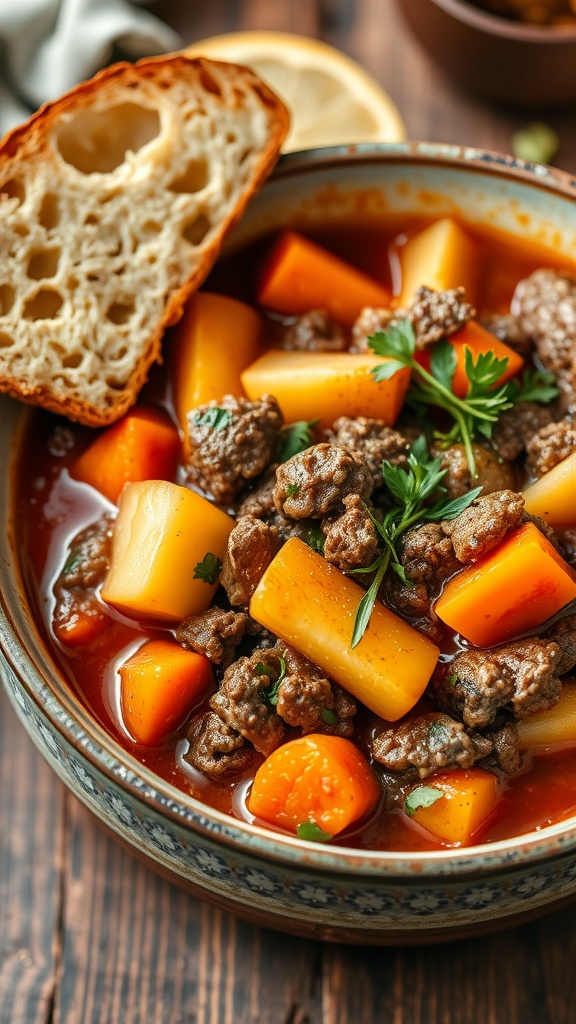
70,719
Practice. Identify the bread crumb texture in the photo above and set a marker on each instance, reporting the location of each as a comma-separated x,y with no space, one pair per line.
114,202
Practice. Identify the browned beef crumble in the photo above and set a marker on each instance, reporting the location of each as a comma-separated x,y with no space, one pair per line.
509,330
551,445
485,522
568,547
493,474
216,750
521,676
314,331
309,700
427,555
545,306
252,545
435,315
351,540
429,743
505,755
89,559
241,700
315,482
516,428
215,633
375,441
370,320
222,459
563,633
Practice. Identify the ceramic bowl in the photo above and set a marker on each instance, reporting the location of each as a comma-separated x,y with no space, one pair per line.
496,58
283,882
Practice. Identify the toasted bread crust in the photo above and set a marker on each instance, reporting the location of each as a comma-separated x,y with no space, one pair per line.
115,305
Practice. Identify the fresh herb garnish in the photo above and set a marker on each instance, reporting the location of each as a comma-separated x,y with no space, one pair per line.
312,832
422,796
538,143
475,415
208,570
452,679
72,562
315,539
292,490
271,695
535,386
295,438
215,417
411,488
329,717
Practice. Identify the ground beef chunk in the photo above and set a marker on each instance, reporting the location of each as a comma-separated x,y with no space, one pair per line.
551,445
307,699
375,441
215,633
435,315
251,547
505,755
216,750
314,332
370,321
89,559
260,502
509,330
427,555
428,743
482,525
568,547
395,786
544,528
223,457
493,475
545,306
351,539
521,675
241,700
516,428
563,633
314,482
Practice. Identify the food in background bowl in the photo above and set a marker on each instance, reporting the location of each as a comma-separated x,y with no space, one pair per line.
325,888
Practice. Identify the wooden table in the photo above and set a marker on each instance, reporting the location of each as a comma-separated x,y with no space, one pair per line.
89,935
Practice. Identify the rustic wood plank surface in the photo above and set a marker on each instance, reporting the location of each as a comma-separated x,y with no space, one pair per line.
87,934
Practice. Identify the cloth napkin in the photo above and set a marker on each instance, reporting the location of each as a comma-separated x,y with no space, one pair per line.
48,46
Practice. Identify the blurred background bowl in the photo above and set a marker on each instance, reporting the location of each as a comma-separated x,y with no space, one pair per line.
496,58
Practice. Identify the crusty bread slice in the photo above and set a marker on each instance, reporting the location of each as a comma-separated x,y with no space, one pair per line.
114,201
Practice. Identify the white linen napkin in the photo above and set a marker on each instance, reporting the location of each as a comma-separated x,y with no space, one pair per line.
48,46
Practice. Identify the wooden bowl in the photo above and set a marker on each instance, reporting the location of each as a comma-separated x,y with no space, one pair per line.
496,58
337,893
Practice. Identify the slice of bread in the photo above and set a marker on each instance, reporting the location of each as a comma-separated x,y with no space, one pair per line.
114,201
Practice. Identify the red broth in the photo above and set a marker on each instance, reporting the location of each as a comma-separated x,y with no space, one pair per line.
51,508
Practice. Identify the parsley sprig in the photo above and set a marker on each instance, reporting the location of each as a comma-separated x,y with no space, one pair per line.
474,415
271,695
412,489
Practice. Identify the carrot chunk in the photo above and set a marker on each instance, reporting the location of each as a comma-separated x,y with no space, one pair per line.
326,385
214,341
311,605
552,497
455,806
515,587
479,341
144,445
300,275
80,624
319,780
160,685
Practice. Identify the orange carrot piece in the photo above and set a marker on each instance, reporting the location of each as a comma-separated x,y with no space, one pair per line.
552,497
144,445
300,275
515,587
214,341
311,605
468,799
160,685
324,780
82,624
326,385
478,340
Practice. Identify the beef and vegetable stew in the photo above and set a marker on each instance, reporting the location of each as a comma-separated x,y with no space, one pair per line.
323,575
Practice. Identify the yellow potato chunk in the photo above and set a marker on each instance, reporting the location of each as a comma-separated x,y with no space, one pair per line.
555,725
215,340
326,385
440,256
311,605
166,554
466,802
553,496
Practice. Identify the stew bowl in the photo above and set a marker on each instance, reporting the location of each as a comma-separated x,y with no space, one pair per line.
312,890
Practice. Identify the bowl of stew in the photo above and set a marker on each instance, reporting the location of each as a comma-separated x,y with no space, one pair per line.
300,630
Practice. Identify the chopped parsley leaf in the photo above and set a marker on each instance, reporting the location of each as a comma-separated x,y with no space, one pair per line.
316,539
214,417
329,717
208,570
312,832
292,490
422,796
295,438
